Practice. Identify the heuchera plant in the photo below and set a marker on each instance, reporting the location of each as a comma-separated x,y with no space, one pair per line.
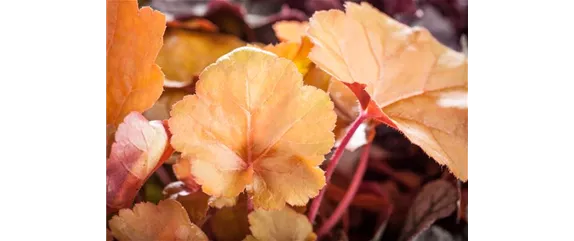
246,127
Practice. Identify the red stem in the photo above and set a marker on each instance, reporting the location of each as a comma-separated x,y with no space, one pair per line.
333,163
350,194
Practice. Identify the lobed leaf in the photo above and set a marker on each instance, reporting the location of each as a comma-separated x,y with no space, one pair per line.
148,222
253,125
402,76
277,225
133,40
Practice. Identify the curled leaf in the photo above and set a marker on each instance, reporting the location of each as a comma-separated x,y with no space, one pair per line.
133,40
136,153
230,223
436,200
148,222
253,125
402,76
186,53
284,224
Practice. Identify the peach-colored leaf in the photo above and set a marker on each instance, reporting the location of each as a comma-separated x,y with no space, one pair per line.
148,222
284,224
136,153
402,76
186,53
133,40
230,223
290,31
253,124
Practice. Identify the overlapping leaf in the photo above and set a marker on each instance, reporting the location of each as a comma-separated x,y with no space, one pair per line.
136,153
290,31
133,40
253,125
230,223
284,224
148,222
401,75
186,53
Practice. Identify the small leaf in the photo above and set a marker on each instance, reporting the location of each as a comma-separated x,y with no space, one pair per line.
186,53
284,224
230,223
148,222
194,201
436,200
402,76
133,40
135,155
253,124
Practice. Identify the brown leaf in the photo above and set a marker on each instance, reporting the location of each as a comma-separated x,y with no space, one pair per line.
109,236
194,201
230,223
186,53
161,108
436,200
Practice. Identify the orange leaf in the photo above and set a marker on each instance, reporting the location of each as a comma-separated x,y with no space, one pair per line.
148,222
253,124
230,223
290,31
401,75
186,53
284,224
134,38
136,153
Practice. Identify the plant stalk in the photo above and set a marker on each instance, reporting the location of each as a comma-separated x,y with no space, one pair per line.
333,164
350,194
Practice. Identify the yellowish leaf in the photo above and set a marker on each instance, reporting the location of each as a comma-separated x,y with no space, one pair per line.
279,225
148,222
253,125
402,76
186,53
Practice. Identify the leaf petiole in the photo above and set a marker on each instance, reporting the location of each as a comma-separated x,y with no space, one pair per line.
333,164
350,194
